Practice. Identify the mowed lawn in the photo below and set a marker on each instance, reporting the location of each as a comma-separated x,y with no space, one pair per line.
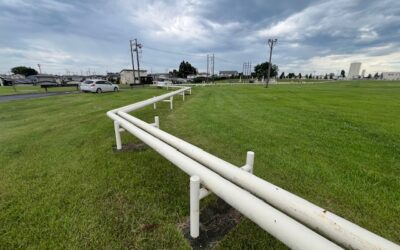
62,186
21,89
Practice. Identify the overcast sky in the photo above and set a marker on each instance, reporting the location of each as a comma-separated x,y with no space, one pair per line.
313,36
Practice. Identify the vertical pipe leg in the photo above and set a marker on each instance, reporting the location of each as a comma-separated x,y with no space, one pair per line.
117,135
171,99
157,121
250,160
154,104
183,95
194,206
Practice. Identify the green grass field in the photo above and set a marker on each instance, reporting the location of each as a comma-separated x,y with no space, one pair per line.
21,89
62,186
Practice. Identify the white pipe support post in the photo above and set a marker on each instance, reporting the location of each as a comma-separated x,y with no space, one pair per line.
154,104
171,104
249,162
117,135
156,122
194,206
183,96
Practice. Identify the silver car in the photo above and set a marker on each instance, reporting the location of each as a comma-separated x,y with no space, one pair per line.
98,86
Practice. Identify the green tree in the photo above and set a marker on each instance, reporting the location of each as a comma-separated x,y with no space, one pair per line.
22,70
343,73
282,75
173,73
185,69
300,75
261,70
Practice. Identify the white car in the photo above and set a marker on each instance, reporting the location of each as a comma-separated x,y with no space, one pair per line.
98,86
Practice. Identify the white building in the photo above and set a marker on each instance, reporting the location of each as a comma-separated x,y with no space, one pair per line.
391,75
354,71
229,73
126,76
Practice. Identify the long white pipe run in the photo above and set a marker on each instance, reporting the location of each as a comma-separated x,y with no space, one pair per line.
141,104
339,230
332,226
278,224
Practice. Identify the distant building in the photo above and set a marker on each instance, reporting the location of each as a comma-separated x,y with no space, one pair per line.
229,73
126,76
354,71
41,78
391,75
72,78
17,77
5,80
112,76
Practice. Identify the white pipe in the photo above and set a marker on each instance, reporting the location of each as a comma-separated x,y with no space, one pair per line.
147,102
194,206
279,225
117,135
328,224
204,192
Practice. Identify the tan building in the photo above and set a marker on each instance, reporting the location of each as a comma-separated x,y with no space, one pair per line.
126,76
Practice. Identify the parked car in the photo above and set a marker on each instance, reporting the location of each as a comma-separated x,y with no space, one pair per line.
98,86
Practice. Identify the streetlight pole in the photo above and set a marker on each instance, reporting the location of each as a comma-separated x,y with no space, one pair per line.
271,44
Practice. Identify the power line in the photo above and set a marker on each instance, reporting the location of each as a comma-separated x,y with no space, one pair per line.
188,54
172,52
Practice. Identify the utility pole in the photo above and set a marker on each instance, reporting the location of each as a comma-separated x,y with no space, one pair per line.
242,78
249,71
246,70
212,69
40,69
208,59
137,47
271,44
133,63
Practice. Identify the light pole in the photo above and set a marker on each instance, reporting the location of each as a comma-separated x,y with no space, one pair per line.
271,44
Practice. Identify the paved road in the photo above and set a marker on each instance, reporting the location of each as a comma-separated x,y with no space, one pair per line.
7,98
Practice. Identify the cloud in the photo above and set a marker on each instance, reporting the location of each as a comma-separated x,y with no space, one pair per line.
367,34
82,34
371,62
